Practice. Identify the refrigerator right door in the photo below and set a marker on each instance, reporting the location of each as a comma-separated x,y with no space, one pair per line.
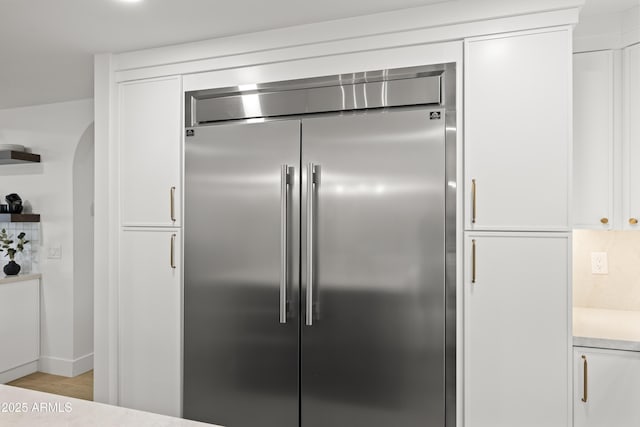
373,270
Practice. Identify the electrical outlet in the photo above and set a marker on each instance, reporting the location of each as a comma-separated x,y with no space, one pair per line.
54,252
599,263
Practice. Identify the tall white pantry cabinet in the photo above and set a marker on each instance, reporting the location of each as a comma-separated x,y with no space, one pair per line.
517,239
150,277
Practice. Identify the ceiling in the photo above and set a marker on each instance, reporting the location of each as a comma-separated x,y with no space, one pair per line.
598,7
47,46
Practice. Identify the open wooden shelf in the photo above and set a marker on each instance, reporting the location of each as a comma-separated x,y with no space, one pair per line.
8,157
12,217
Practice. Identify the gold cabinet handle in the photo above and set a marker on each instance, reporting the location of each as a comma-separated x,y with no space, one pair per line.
473,201
172,194
585,387
172,259
633,221
473,261
604,220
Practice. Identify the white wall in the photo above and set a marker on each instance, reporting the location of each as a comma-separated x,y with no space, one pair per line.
620,288
53,131
614,30
83,192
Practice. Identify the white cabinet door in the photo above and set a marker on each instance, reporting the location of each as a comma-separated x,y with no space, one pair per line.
517,345
150,152
612,388
518,131
631,138
150,321
593,98
19,325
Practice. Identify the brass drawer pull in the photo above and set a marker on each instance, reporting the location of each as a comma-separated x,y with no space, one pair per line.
173,203
604,220
633,221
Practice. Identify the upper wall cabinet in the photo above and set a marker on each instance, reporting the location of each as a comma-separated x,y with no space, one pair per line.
600,91
593,107
518,131
150,152
631,138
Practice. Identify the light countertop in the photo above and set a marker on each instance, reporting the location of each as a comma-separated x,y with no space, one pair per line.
19,278
44,409
612,329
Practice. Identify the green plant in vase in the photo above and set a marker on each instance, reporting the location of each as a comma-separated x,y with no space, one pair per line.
12,247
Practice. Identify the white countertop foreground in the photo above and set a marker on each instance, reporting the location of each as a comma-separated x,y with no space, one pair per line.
616,329
44,409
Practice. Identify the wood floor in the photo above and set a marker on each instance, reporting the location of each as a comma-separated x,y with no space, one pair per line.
80,387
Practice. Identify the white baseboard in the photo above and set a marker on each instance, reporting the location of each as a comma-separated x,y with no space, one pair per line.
82,364
65,367
18,372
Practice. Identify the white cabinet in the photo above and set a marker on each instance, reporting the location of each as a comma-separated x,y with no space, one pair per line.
517,180
518,131
593,130
19,328
150,282
517,330
149,320
150,152
631,138
612,388
607,104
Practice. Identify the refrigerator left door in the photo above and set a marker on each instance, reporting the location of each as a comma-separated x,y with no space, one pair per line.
242,223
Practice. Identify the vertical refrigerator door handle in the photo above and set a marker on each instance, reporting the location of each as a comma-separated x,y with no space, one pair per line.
284,196
310,194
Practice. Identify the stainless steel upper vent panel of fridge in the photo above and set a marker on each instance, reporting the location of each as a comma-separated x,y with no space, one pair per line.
340,93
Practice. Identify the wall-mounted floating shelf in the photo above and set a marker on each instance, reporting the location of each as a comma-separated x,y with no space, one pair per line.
9,157
13,217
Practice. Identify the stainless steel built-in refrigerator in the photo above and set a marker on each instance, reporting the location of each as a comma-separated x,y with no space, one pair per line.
319,253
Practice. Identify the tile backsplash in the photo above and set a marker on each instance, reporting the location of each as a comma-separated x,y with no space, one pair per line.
620,288
29,259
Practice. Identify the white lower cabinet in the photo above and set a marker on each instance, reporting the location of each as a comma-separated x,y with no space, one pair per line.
149,347
517,345
609,381
19,328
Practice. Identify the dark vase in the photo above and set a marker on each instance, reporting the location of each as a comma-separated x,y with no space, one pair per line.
12,268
